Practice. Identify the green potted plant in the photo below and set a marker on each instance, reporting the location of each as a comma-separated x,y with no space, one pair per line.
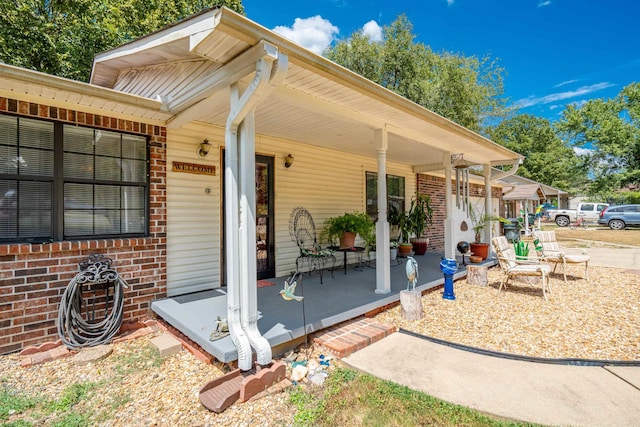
345,228
398,221
479,221
420,217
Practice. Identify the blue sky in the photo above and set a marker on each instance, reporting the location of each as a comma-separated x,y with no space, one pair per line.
555,52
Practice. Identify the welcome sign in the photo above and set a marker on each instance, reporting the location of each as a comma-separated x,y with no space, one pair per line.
193,168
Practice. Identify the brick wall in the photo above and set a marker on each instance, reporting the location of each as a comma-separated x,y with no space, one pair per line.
434,187
33,277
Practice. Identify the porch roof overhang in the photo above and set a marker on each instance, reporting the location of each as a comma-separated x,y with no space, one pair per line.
319,103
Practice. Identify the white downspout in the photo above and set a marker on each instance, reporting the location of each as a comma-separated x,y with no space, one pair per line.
242,304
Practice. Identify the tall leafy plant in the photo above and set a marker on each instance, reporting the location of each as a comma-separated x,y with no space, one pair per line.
420,215
481,220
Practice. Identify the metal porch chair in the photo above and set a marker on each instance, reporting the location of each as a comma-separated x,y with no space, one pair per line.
302,230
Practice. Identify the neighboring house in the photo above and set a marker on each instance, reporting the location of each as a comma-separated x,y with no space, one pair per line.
522,198
544,194
118,166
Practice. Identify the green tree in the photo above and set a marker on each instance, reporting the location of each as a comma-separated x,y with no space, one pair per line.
547,158
61,37
464,89
610,130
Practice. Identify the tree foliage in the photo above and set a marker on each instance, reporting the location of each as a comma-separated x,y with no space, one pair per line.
464,89
547,158
610,131
61,37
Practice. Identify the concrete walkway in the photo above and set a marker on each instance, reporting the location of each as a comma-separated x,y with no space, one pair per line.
627,257
525,391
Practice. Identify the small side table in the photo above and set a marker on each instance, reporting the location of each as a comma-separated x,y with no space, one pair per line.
358,250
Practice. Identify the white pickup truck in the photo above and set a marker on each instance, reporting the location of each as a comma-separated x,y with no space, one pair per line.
588,210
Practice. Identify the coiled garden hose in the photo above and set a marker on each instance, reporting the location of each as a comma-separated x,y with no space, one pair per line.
79,329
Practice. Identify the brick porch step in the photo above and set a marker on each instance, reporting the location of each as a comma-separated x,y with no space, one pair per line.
346,338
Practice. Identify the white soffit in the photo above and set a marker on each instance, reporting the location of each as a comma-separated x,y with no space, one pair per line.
319,103
20,81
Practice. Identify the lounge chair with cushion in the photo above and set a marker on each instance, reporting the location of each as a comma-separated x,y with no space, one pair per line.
513,267
548,249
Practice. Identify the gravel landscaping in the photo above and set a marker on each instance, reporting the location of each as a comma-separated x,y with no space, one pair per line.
598,319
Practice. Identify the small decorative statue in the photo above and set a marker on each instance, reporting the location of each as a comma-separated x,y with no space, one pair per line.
290,288
412,273
221,331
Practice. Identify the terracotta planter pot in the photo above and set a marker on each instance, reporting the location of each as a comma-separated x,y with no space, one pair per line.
480,249
347,240
405,250
420,245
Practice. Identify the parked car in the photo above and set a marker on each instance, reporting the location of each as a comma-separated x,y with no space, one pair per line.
588,210
619,217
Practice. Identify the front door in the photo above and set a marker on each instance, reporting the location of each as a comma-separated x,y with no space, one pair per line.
265,239
264,218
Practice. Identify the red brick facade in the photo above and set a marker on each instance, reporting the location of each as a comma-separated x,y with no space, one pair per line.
33,277
434,187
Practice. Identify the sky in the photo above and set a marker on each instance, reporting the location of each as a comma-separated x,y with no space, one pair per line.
554,52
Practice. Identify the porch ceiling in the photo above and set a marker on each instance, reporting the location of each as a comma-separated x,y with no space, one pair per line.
319,102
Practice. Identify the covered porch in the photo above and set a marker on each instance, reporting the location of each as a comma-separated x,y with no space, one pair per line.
338,299
247,91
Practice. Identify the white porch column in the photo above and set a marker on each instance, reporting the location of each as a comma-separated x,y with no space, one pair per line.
488,209
383,264
449,244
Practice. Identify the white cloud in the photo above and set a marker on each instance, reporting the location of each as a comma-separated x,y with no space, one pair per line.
578,104
568,82
314,33
450,2
555,97
544,3
373,30
583,151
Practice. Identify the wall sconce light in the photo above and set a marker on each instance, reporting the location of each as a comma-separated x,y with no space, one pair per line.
205,146
288,160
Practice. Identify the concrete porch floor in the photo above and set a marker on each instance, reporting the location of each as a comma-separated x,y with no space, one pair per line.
341,298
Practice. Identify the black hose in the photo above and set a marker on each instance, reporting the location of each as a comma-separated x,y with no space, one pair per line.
571,361
77,330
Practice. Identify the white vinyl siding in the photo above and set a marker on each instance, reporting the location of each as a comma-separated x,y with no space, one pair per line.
193,214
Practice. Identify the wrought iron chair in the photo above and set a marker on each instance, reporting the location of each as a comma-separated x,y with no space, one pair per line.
548,249
302,230
513,267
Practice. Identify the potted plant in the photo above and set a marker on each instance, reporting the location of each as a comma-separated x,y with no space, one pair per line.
479,222
346,227
370,243
393,250
400,221
420,218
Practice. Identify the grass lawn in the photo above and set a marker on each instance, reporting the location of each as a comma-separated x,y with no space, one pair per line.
628,236
351,398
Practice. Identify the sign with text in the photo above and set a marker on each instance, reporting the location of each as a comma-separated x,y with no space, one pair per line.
193,168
